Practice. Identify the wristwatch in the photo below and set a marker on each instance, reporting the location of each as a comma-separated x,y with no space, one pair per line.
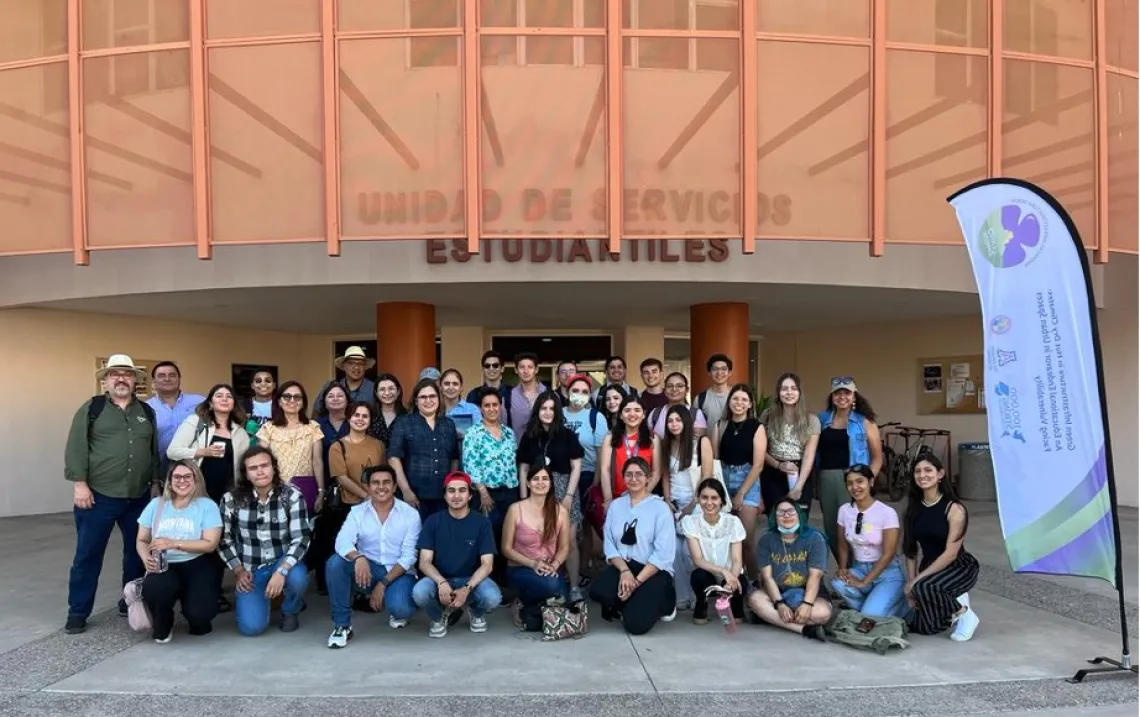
384,581
283,571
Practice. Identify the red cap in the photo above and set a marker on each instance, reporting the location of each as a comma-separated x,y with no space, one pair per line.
579,377
457,476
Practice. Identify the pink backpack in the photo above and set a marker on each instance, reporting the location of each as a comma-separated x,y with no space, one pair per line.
138,616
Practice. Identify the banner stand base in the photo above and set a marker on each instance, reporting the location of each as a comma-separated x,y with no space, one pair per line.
1115,667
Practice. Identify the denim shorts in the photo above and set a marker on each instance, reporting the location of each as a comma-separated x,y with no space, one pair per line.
734,477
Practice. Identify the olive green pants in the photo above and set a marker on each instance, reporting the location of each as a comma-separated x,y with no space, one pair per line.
832,494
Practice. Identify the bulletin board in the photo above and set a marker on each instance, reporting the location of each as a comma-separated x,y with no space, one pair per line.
951,385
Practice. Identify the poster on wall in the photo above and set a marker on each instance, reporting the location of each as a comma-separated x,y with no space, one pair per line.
932,378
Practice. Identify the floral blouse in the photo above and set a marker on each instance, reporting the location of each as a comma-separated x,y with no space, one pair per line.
292,446
490,461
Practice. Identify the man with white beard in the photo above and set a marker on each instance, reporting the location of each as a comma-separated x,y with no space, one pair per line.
112,460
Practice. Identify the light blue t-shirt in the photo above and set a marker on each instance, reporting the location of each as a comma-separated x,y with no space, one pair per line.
185,524
590,437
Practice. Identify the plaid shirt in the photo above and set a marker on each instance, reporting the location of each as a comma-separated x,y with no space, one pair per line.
426,455
260,533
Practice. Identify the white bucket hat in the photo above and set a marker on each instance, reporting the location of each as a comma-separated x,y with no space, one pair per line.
354,352
119,362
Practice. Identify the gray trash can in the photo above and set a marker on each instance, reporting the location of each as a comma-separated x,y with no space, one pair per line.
976,472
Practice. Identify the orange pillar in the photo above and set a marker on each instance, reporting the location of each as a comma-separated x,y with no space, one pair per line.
405,340
718,329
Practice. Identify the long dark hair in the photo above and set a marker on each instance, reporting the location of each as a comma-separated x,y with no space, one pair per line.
861,406
206,412
610,417
243,488
549,504
738,388
862,469
399,407
279,415
644,435
682,443
534,427
914,503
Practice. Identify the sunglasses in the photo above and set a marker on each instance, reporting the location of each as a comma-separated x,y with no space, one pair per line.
291,397
840,380
858,524
263,380
491,365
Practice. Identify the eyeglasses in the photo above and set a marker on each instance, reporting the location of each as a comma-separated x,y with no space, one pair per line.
634,474
492,365
858,524
720,369
183,477
291,397
427,397
676,386
566,371
786,513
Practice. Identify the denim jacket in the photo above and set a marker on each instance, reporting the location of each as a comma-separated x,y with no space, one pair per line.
857,445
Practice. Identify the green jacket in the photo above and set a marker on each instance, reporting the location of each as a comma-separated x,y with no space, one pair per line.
119,459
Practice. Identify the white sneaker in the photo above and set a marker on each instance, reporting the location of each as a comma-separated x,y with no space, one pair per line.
478,624
965,626
339,637
395,623
168,638
964,599
671,616
438,629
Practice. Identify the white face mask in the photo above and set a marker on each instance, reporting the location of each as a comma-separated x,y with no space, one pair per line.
578,400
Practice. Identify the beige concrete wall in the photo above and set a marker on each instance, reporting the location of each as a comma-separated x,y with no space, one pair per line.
49,362
882,359
461,347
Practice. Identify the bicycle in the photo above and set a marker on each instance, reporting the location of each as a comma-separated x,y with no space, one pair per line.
897,467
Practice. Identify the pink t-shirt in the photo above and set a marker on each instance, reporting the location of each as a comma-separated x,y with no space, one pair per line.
868,544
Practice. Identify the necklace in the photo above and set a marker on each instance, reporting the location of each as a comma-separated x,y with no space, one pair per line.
934,503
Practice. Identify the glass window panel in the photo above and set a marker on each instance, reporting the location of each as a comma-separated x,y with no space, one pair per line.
936,141
401,134
656,14
814,136
839,18
549,50
35,160
499,13
1123,21
1122,161
718,14
1056,28
549,13
131,23
137,117
260,18
398,14
543,149
682,148
593,13
266,168
1048,137
32,28
949,23
663,53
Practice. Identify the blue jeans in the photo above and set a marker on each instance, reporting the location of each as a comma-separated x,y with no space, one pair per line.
251,609
734,477
882,598
534,588
93,528
340,576
485,598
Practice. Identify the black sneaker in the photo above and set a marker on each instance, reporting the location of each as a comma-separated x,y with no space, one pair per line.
75,625
224,604
290,623
122,608
454,617
814,632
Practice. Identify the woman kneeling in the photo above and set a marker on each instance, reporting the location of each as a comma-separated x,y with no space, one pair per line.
793,558
178,531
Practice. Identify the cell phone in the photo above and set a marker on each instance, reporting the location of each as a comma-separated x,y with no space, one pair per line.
865,625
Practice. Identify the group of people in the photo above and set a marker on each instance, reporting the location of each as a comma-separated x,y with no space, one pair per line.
640,500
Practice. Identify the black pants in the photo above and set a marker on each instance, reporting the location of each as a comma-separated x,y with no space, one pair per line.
774,486
702,580
648,604
194,583
325,529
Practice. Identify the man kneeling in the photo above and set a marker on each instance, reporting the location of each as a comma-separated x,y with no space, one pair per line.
375,555
457,551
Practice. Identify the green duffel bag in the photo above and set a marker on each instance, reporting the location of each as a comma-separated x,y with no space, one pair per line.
888,632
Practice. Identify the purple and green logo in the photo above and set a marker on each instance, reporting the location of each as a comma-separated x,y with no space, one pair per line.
1007,234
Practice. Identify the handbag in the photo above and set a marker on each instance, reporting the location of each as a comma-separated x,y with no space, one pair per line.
562,621
138,616
695,472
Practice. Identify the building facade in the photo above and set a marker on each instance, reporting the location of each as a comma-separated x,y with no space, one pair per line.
229,183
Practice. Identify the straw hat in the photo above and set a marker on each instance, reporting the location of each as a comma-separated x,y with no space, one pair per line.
354,352
119,362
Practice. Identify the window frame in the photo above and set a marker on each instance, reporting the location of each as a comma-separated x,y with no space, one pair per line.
692,63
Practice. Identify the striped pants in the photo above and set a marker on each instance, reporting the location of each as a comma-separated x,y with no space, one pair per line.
936,596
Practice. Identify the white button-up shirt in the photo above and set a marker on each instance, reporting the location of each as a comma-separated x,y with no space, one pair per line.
388,543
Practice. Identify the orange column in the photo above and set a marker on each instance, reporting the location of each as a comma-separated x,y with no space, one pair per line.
405,340
717,329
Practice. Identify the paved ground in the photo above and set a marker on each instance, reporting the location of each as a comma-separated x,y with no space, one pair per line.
1035,631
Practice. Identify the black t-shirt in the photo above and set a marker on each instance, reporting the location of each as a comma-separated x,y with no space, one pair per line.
458,543
736,442
219,472
555,451
834,452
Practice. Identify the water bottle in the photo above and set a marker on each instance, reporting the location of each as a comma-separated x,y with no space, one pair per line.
793,478
724,609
